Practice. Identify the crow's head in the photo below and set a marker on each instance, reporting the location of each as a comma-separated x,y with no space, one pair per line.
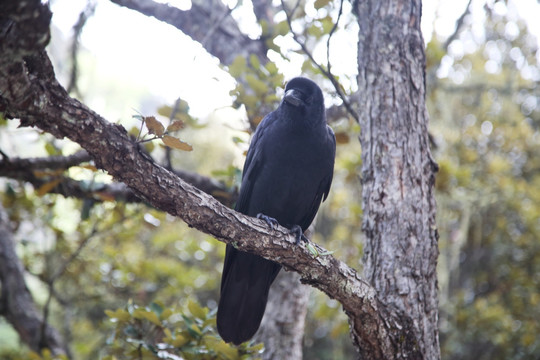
303,97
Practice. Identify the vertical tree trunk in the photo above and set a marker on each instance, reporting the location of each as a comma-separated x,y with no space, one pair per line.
16,303
282,328
398,172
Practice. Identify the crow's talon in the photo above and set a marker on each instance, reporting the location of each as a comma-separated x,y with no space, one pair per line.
298,234
270,221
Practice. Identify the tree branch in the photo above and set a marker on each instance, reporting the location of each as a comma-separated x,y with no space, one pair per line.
227,41
39,171
16,303
74,49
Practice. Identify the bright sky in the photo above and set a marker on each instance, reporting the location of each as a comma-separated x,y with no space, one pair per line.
132,46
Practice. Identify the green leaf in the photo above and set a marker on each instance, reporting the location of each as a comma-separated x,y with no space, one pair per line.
327,24
312,249
238,66
197,310
282,28
271,67
156,308
315,30
320,4
141,313
166,314
194,331
257,85
51,149
254,61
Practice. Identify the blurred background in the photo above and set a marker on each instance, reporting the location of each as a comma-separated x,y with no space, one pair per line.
483,97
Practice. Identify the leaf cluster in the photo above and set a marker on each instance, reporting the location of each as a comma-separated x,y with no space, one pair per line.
159,332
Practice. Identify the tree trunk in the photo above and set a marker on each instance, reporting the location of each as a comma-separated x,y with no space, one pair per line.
16,303
282,328
398,172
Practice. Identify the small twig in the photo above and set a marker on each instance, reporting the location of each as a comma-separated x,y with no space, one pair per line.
330,34
459,24
326,73
77,30
168,150
430,76
4,155
147,140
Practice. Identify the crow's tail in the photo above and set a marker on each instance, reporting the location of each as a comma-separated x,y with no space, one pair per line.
245,282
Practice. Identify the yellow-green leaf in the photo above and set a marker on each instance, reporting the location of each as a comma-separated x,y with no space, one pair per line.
257,85
196,310
238,66
179,341
282,28
320,3
176,143
254,60
148,315
119,314
196,329
165,314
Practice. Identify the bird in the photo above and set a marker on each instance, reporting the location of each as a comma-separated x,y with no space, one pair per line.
287,174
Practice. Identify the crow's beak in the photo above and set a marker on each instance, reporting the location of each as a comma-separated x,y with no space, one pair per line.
293,97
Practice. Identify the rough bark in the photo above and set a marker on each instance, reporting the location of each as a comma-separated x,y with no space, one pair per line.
16,303
398,172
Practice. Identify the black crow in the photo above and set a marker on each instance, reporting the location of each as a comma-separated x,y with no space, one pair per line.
288,172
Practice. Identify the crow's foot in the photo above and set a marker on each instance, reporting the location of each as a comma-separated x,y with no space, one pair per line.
298,234
272,223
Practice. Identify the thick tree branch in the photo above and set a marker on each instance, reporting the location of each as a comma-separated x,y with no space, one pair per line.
226,42
40,171
30,92
16,303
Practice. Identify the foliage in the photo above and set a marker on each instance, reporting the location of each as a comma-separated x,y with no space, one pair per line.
159,332
488,194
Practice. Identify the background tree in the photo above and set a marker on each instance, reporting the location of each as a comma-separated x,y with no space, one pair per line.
484,103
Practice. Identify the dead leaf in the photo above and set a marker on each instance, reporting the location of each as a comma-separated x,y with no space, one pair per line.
47,187
154,126
176,143
176,125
